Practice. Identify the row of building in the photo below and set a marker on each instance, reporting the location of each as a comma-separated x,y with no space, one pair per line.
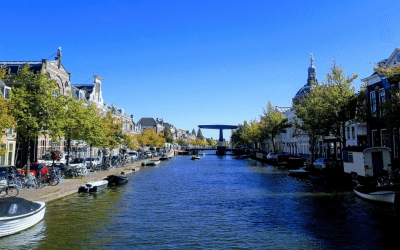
373,134
90,93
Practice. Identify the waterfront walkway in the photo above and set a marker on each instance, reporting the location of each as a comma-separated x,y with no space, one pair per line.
70,186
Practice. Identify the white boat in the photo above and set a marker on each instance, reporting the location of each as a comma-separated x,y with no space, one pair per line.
17,214
151,163
164,157
388,194
299,173
195,157
93,186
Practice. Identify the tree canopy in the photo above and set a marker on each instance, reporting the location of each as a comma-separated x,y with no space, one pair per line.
6,118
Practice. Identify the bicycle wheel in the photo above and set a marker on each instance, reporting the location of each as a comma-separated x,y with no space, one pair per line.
54,181
12,191
382,181
17,183
39,183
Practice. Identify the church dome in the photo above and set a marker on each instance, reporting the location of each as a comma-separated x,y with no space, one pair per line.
312,78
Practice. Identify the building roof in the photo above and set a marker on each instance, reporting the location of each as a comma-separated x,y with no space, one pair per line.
147,122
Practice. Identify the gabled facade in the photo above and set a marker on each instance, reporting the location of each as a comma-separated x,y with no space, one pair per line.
377,93
55,71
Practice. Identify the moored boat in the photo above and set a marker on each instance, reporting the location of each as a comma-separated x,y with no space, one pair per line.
151,163
195,157
93,186
17,214
299,173
164,157
388,194
116,180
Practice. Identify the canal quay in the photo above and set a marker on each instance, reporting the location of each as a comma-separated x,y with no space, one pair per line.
217,202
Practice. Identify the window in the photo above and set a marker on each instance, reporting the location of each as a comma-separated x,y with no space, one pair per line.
382,98
373,101
348,133
384,137
375,138
353,132
10,153
350,157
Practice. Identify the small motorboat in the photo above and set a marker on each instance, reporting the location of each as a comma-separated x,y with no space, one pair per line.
195,157
93,186
17,214
116,180
151,163
388,194
301,173
164,157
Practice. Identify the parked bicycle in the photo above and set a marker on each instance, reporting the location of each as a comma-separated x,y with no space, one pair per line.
389,178
8,189
48,178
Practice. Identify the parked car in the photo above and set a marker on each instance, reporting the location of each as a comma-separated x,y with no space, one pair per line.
270,155
147,154
133,155
78,162
323,163
95,161
7,171
47,159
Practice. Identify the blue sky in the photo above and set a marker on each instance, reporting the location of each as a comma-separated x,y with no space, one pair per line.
201,62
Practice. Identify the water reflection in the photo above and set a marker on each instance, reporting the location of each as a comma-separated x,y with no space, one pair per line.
217,203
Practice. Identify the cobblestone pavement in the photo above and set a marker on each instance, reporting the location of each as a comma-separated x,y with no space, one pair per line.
70,186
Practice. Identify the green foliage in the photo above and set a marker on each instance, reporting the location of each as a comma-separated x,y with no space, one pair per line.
113,134
390,109
272,124
211,142
181,142
392,74
149,137
36,104
6,117
168,135
328,107
240,134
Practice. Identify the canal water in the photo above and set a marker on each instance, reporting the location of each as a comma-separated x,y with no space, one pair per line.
217,202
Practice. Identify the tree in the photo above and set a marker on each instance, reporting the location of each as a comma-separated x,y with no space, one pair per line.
211,142
112,127
252,134
168,135
327,108
272,124
6,117
151,138
181,142
131,142
392,74
338,94
238,136
36,106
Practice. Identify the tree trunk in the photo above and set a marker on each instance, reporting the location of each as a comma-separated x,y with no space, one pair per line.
28,162
68,149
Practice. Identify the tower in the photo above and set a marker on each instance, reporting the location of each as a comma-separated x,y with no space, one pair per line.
311,79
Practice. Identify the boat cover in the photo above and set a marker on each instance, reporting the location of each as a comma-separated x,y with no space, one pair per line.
14,206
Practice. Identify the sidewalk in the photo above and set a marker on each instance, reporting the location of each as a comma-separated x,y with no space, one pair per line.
70,186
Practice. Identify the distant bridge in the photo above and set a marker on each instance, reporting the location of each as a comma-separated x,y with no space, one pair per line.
220,127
